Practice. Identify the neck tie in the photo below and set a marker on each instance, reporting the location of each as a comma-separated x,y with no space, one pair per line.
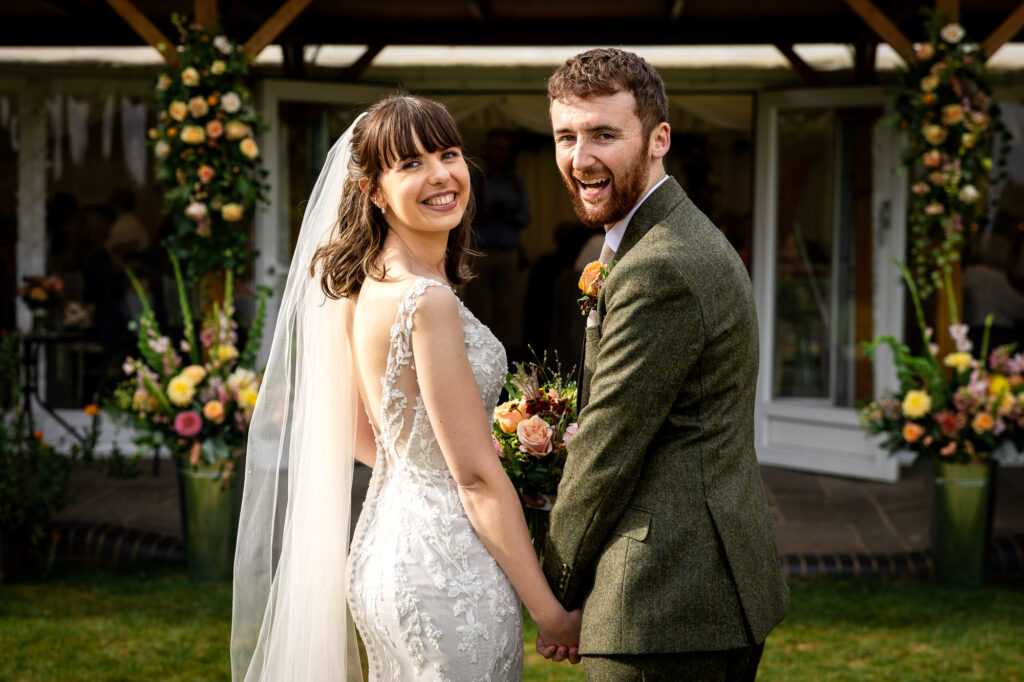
606,253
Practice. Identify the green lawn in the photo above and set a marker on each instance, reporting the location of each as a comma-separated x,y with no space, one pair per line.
89,623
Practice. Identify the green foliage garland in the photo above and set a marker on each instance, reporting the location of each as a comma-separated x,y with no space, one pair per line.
944,105
206,153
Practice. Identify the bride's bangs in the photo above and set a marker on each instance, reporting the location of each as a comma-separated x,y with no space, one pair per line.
410,119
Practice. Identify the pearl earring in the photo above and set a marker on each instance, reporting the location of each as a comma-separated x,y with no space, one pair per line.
383,210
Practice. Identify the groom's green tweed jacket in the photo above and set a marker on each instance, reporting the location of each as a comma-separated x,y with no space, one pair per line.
661,530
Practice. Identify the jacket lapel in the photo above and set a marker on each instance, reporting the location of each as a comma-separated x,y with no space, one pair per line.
651,212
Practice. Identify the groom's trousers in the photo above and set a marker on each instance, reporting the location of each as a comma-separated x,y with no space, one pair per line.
732,665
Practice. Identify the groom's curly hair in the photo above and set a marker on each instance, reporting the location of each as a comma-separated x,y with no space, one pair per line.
606,71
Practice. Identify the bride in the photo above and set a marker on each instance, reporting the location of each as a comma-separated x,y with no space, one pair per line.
375,358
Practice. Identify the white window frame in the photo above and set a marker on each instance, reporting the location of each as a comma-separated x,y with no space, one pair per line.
810,434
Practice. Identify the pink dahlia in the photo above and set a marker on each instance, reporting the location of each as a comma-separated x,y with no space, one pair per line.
188,424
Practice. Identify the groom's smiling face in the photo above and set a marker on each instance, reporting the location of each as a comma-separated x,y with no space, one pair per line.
604,155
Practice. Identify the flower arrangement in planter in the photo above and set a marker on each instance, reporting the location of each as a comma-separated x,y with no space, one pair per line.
944,105
41,292
207,155
959,410
196,402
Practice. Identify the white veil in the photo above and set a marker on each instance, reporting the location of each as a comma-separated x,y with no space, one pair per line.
290,617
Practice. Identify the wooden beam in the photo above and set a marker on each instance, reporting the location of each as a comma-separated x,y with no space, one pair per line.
1010,27
805,70
676,10
864,61
948,9
354,71
145,28
881,25
207,14
274,26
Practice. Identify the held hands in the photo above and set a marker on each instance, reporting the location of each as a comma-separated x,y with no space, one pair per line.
560,641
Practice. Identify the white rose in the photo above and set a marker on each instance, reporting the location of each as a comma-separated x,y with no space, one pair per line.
953,33
240,379
222,44
196,210
218,67
231,102
190,77
161,149
969,194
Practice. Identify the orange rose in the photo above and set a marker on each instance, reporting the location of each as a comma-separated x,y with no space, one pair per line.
982,422
508,415
590,280
912,432
214,411
92,409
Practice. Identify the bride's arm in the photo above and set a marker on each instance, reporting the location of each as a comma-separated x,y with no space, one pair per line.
462,427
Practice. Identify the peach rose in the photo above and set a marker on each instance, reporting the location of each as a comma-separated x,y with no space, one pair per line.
590,280
952,114
935,134
498,450
934,209
178,110
214,411
534,436
982,422
508,415
236,130
205,173
214,129
195,373
924,51
932,158
198,107
912,432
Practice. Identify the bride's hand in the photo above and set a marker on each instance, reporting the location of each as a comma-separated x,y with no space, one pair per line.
559,640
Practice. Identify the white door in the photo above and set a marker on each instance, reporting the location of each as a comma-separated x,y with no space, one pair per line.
304,120
829,222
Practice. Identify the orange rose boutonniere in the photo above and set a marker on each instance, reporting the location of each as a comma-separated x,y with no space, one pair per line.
591,281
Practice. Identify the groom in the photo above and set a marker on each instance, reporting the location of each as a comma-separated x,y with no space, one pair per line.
661,531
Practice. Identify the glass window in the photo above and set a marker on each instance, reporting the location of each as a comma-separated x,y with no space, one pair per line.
103,216
823,258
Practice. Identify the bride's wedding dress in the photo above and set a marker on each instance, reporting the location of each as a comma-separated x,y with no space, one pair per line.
428,599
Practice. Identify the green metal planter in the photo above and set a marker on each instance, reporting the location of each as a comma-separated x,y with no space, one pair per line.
209,515
960,515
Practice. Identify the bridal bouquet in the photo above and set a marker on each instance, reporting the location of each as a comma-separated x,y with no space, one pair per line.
960,410
531,431
199,401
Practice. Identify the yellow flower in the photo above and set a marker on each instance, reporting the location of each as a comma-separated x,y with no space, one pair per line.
190,77
181,390
193,135
249,148
236,130
226,352
1007,404
177,110
247,397
195,373
917,404
958,361
92,409
214,411
998,384
232,212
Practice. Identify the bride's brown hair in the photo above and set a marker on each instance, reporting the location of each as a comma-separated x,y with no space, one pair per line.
386,135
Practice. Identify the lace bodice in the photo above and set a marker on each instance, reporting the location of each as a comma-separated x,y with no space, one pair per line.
429,600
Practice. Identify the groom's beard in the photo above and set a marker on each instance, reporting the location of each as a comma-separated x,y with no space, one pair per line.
623,194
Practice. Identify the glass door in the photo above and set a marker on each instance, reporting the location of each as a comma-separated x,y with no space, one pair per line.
828,225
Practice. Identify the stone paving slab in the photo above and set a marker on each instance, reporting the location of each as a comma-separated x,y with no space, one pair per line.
813,514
